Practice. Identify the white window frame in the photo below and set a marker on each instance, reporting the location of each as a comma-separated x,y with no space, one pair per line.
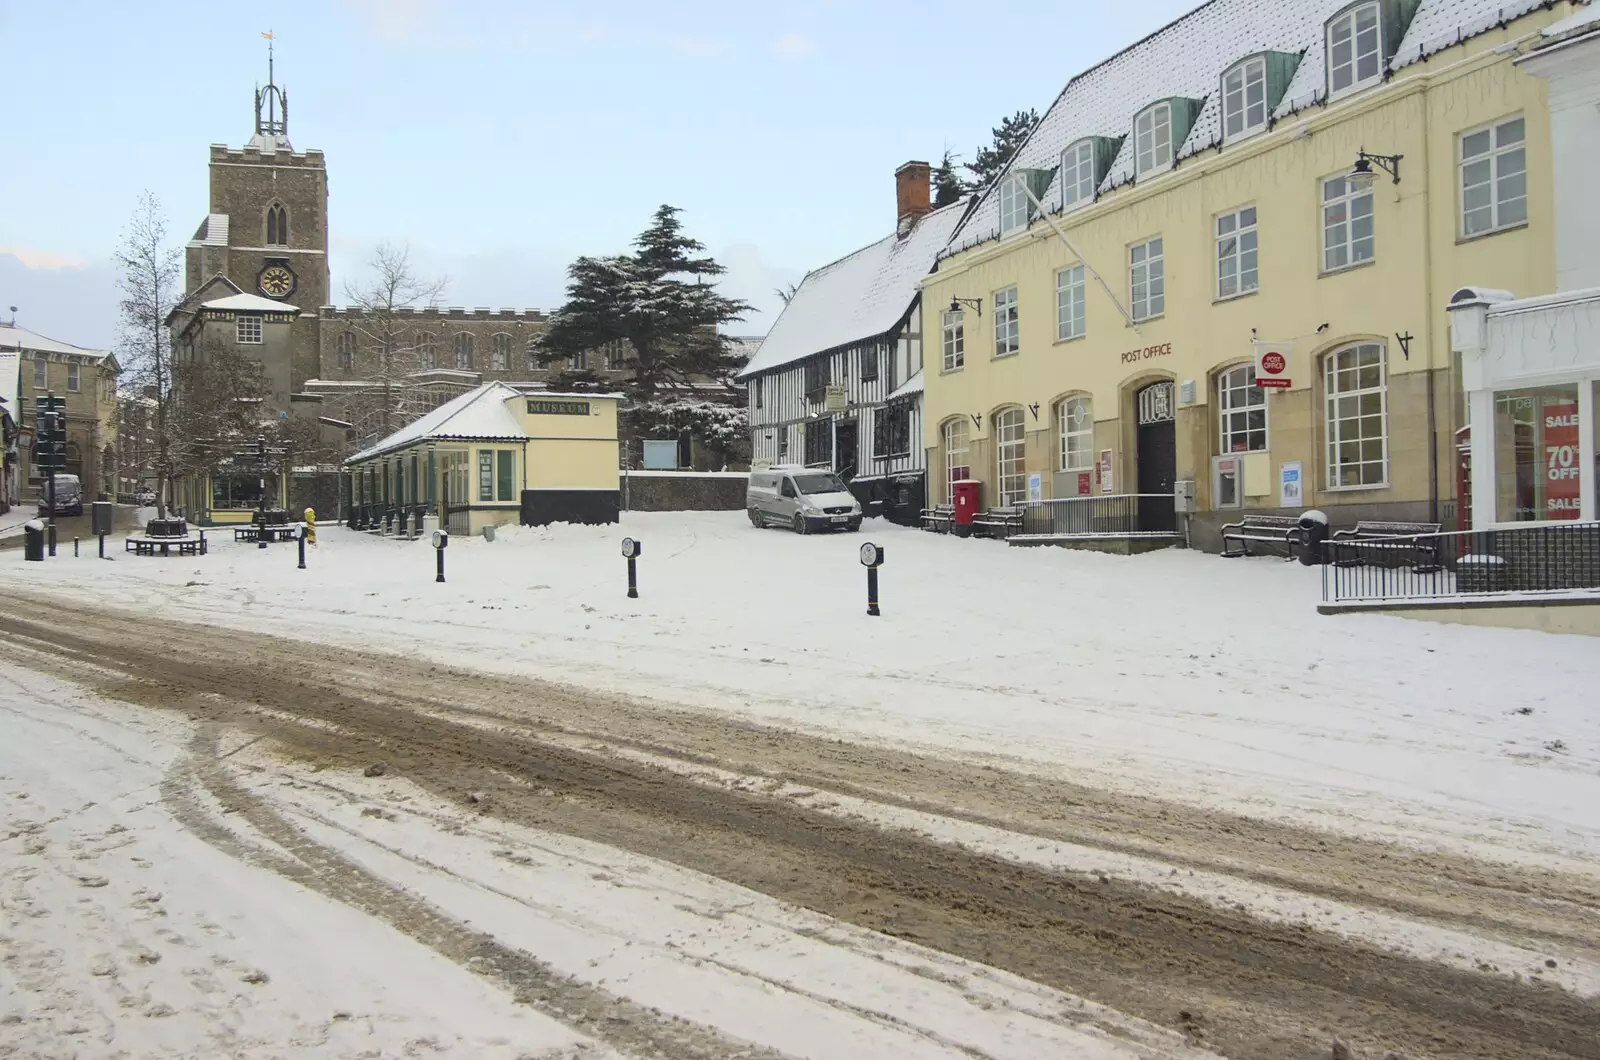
1334,424
1152,139
1075,434
1495,156
1349,199
955,340
1078,175
1007,325
1238,108
1238,252
1011,487
1069,303
41,373
946,442
1016,210
74,377
247,329
1237,397
1347,20
1149,270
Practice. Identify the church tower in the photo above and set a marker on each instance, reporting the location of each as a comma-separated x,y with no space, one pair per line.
267,229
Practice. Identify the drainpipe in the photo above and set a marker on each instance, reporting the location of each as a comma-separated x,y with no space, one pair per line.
1428,318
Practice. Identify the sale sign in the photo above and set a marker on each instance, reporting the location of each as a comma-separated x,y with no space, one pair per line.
1562,482
1272,365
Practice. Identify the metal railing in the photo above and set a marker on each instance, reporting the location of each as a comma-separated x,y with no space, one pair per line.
1102,515
1539,557
458,520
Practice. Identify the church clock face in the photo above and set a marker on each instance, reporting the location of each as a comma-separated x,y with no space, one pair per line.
276,281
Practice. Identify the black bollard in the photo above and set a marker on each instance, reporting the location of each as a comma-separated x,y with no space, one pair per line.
102,546
872,559
51,530
441,539
74,548
302,548
631,550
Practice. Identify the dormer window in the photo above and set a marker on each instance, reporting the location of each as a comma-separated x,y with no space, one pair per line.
1244,98
1152,139
1079,174
1015,210
1355,48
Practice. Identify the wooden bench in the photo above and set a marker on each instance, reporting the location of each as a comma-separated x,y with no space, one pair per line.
999,522
1273,529
188,545
938,518
1394,536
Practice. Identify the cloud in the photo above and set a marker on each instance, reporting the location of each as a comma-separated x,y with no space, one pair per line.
795,45
71,301
42,259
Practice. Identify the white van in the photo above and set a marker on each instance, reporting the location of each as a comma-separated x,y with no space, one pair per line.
804,499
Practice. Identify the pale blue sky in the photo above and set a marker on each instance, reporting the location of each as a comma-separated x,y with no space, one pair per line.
502,139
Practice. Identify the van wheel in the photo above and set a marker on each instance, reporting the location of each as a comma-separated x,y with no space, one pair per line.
800,525
756,520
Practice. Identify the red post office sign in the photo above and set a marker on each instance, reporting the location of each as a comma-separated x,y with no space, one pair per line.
1272,366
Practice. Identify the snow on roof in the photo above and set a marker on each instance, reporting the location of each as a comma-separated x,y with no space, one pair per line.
21,338
1187,58
860,296
906,389
1588,18
213,231
479,413
249,303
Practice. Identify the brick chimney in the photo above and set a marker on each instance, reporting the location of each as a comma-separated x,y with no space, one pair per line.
912,195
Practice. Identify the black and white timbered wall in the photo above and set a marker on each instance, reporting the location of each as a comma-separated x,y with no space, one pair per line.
873,437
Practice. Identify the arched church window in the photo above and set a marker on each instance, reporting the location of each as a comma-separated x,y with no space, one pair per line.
464,352
277,226
500,352
427,355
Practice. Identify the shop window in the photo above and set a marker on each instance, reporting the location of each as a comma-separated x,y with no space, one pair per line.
486,474
1011,478
1537,467
1241,411
505,475
1355,386
1075,434
956,469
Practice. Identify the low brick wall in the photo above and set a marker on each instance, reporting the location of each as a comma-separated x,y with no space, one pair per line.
684,491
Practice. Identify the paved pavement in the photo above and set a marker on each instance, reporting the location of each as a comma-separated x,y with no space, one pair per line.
124,518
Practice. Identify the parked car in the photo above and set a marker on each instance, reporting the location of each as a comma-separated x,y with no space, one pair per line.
806,500
145,498
69,496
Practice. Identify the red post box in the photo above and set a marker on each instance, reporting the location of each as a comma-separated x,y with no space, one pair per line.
964,494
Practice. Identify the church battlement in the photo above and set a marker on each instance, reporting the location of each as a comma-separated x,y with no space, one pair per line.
308,159
442,313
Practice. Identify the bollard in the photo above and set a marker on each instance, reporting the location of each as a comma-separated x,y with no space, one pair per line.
631,550
311,525
872,559
303,546
50,531
74,548
102,546
441,541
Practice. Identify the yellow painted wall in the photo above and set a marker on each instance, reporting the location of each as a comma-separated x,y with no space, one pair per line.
1419,262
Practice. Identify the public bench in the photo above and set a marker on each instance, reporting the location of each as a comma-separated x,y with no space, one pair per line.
187,545
280,532
1378,536
1270,529
938,518
999,522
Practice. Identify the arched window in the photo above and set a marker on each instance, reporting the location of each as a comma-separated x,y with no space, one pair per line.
956,468
277,226
464,352
1075,434
1011,474
500,352
1241,411
1355,386
427,352
1244,98
345,351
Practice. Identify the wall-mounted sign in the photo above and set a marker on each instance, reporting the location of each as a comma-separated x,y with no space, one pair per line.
1562,484
1105,471
1291,487
1085,483
836,398
1147,352
1272,365
545,407
1035,486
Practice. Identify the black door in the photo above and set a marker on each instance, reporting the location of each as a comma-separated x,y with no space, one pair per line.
1157,457
844,450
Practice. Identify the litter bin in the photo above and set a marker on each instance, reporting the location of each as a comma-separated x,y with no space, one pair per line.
100,518
964,496
1313,534
33,540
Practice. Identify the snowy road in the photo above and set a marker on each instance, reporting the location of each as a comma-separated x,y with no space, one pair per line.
650,881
